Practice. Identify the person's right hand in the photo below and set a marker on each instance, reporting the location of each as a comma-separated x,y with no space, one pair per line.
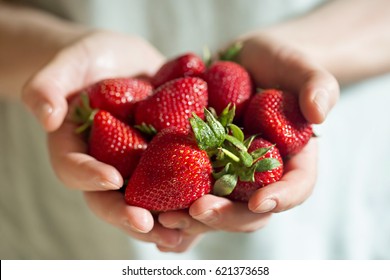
95,56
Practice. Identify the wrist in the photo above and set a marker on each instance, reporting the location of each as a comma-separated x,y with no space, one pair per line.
30,38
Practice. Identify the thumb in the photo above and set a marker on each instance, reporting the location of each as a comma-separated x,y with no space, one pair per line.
318,94
45,94
98,56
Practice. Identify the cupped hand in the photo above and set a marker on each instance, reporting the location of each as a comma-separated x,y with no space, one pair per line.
273,62
101,55
95,56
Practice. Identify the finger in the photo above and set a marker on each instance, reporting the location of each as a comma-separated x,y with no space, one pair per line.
111,207
74,167
137,222
295,186
188,242
275,64
46,92
96,57
223,214
318,94
181,220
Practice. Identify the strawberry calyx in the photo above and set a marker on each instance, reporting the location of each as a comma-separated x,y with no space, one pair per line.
229,54
146,129
232,52
84,114
227,148
207,56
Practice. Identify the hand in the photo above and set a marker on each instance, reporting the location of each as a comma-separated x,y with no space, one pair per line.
95,56
272,62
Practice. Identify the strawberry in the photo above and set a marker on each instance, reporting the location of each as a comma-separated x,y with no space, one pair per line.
186,65
172,173
173,103
119,96
113,142
264,175
228,83
275,114
109,139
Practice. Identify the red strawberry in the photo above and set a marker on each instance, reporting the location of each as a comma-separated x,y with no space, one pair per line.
264,175
173,103
119,96
188,64
228,82
172,173
275,114
115,143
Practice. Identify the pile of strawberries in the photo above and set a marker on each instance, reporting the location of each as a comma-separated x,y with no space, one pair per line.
191,129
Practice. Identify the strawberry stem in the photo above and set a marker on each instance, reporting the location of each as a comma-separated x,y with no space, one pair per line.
230,155
84,114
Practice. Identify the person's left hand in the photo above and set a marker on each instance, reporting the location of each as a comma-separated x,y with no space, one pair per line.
272,62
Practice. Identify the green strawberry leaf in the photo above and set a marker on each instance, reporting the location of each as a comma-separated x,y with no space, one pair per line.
227,115
236,143
216,127
245,158
225,185
82,112
223,172
247,175
220,163
267,164
248,141
237,132
203,133
260,152
86,126
231,52
148,129
239,150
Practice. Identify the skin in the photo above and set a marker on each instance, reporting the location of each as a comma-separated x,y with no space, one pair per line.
43,70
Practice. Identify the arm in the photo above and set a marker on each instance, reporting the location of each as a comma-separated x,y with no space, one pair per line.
29,38
349,38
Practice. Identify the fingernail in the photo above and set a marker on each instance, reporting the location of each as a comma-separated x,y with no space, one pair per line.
178,225
105,185
43,111
134,228
158,240
321,100
266,206
208,216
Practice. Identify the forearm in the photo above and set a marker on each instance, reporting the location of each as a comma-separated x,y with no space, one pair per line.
350,38
29,38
